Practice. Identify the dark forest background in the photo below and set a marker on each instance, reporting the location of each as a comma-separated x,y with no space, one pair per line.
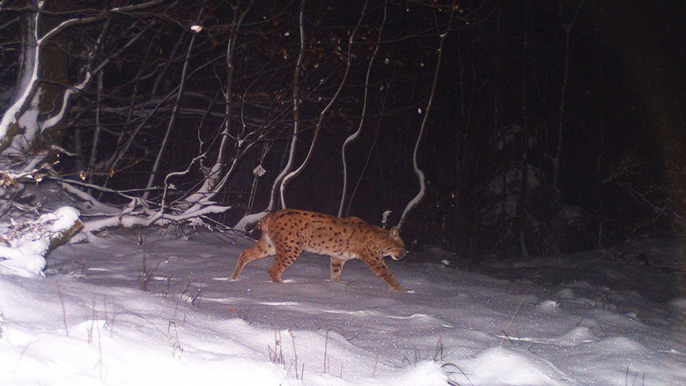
547,127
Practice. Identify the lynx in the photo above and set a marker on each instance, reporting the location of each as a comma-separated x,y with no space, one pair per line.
289,232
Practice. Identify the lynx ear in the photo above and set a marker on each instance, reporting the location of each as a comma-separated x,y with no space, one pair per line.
395,232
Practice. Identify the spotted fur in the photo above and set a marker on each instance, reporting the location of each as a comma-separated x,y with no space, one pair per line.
289,232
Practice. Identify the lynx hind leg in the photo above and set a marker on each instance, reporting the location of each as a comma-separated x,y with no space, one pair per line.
382,272
336,268
284,258
260,250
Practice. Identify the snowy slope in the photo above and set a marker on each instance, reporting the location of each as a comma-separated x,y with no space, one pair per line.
89,322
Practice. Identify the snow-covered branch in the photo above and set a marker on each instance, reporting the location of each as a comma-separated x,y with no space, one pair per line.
27,242
23,114
138,218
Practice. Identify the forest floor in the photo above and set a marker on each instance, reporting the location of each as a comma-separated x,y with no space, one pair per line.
150,306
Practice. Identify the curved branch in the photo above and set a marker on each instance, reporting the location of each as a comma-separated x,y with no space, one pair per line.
420,174
352,137
296,117
326,109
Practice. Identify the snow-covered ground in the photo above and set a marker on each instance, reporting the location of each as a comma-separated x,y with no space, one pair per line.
89,321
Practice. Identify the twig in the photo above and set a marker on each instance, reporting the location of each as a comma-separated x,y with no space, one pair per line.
176,341
298,376
326,346
450,374
64,310
21,356
512,320
276,354
438,353
102,379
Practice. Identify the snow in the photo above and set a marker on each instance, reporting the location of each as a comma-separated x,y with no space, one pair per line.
89,322
61,220
27,243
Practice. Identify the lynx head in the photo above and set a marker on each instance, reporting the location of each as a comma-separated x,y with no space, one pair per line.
392,245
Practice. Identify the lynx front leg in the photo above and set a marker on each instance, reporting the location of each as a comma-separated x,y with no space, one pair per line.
336,268
378,266
260,250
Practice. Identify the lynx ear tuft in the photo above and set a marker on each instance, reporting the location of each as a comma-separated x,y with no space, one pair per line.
395,232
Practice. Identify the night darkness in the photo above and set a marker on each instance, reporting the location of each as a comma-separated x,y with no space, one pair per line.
555,126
